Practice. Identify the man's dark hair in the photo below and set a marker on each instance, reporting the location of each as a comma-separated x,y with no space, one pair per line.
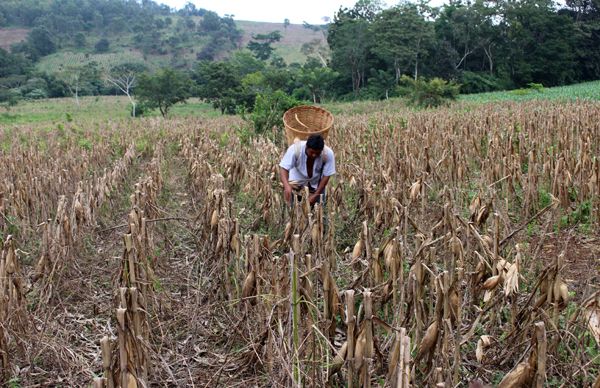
316,142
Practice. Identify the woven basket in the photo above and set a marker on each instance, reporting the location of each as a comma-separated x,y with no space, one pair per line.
304,120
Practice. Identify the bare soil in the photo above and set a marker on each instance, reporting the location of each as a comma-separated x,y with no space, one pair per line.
10,36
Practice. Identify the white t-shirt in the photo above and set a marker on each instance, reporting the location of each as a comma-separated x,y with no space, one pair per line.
297,166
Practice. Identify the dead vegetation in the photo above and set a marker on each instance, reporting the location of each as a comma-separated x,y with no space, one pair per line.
456,247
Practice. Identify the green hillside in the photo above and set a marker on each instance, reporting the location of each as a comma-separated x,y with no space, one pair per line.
294,36
180,53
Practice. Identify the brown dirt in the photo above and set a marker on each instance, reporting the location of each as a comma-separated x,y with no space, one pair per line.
581,269
10,36
295,34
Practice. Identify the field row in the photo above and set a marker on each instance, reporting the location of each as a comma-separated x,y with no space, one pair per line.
454,246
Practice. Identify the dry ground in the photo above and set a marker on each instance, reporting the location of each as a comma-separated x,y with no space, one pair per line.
10,36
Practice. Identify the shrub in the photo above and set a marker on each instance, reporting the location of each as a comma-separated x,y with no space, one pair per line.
269,109
141,109
9,98
481,82
432,93
102,45
36,94
536,87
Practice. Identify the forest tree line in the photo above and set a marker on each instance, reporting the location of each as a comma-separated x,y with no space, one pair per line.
371,50
485,45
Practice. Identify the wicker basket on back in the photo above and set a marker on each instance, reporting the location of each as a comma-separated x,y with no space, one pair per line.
304,120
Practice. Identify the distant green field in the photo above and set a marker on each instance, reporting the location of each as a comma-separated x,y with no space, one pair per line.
117,107
54,63
582,91
104,108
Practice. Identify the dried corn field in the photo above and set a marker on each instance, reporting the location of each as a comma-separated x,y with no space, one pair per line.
458,247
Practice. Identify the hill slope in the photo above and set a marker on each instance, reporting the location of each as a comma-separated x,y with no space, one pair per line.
181,54
294,36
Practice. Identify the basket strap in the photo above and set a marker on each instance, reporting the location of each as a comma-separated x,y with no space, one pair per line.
298,120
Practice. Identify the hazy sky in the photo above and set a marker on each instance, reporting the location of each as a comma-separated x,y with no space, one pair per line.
276,11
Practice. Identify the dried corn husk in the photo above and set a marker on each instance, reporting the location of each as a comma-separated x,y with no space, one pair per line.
521,376
428,342
483,342
592,316
492,282
249,288
357,251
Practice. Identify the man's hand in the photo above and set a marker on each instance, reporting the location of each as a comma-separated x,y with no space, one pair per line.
284,175
287,194
313,198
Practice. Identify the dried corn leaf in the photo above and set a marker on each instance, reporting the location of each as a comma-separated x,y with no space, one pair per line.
592,316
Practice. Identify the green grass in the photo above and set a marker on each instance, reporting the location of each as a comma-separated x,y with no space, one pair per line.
100,107
117,107
55,63
582,91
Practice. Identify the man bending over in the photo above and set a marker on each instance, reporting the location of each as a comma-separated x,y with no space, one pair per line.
307,163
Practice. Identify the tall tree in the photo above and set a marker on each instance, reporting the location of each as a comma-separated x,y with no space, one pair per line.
41,41
350,39
260,44
586,16
220,84
124,78
163,90
470,31
316,48
316,79
402,36
539,43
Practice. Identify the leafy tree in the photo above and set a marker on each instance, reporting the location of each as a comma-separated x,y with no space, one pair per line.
277,61
260,44
470,31
163,90
9,98
41,42
11,64
80,79
350,38
55,86
316,81
402,37
540,43
269,109
479,82
223,34
35,88
586,16
286,23
382,85
219,83
245,63
211,22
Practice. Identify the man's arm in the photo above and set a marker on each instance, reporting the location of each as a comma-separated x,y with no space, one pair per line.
287,163
284,176
328,171
314,196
